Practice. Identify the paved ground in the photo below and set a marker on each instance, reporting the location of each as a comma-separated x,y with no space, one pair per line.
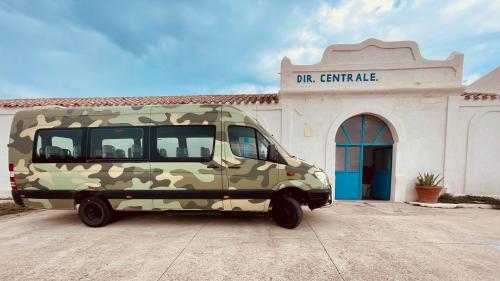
350,241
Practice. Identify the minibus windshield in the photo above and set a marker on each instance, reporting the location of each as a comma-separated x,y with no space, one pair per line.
280,148
278,145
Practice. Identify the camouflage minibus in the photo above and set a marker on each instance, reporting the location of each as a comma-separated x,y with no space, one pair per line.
101,160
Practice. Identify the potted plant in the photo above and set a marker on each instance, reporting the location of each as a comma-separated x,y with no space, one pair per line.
428,187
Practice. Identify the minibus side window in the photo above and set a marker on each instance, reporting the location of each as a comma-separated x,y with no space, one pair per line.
124,143
58,146
183,143
248,142
243,141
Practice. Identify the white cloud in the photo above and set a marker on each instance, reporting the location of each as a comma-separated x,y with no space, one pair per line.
18,91
422,21
456,7
489,18
353,15
352,19
336,17
249,89
305,35
304,54
416,4
480,47
377,5
268,66
469,79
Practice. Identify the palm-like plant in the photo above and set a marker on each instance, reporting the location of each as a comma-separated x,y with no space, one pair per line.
428,179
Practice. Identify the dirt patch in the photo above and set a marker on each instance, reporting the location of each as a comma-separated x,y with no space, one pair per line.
8,208
469,199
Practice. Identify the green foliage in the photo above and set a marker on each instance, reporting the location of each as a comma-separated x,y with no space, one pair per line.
428,179
469,199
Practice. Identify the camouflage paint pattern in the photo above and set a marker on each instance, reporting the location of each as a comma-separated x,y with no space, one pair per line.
91,176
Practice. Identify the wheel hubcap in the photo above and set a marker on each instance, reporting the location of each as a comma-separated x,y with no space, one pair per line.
93,212
284,214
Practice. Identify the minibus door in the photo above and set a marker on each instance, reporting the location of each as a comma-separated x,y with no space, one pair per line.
250,177
186,172
117,163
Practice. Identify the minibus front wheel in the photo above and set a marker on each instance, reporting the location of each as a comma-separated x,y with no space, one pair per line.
95,211
287,212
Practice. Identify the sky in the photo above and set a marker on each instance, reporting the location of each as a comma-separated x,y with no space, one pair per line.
143,48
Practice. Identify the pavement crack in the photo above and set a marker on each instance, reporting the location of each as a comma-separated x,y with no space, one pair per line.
180,253
324,248
414,242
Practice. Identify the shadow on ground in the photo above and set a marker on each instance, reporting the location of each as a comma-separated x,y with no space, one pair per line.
155,218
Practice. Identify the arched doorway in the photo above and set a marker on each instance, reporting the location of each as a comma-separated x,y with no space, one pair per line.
363,159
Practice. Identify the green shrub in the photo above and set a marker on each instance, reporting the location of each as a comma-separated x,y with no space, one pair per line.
469,199
428,179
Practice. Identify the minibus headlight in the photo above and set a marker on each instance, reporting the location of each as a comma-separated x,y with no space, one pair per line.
322,177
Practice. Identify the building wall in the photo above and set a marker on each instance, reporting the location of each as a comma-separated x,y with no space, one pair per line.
473,147
417,123
398,85
6,116
433,131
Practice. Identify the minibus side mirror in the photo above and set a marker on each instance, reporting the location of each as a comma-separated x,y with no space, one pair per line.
273,154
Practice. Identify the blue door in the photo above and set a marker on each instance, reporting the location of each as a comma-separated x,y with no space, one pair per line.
347,178
359,136
381,185
347,185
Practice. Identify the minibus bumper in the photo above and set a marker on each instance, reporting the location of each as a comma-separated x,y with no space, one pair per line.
320,198
16,196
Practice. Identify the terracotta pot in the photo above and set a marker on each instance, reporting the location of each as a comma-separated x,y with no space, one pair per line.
428,194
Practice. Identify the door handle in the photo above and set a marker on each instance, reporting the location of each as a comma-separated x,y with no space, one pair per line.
212,166
234,167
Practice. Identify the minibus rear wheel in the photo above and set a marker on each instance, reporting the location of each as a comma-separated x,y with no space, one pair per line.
287,212
95,211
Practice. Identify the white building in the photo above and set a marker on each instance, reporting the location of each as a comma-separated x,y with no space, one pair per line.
415,113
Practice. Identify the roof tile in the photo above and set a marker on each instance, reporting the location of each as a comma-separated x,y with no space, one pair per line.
154,100
480,96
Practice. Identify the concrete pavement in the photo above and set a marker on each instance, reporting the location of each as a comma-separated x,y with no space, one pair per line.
350,241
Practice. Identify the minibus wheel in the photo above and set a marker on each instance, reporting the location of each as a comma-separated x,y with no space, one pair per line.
95,211
287,212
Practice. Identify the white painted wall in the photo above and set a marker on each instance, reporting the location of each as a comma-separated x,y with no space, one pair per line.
269,115
483,148
473,147
435,131
410,93
6,116
418,125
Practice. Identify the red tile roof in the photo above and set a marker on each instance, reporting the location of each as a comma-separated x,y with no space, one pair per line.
479,96
485,88
488,84
115,101
195,99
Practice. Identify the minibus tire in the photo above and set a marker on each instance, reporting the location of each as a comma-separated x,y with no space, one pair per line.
95,212
287,212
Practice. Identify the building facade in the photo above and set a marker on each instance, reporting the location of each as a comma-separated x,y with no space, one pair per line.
373,115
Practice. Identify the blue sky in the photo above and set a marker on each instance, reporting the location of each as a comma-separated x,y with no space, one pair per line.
106,48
